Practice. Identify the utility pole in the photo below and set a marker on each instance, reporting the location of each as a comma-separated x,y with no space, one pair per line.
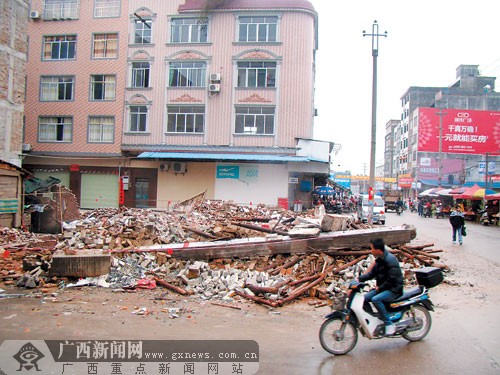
374,34
486,172
440,113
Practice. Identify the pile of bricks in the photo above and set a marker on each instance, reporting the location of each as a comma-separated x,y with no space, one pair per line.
126,228
272,281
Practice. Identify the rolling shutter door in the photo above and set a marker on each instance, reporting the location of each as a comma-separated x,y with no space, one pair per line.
99,190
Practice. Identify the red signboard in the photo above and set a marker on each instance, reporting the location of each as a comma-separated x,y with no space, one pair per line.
121,192
405,182
463,131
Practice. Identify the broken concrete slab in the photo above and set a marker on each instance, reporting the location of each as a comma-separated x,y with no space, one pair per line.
86,263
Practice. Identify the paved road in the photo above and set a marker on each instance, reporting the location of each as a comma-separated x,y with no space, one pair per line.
480,240
465,337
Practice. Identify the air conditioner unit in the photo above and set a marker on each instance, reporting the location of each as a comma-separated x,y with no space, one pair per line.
215,77
27,147
34,15
214,87
163,167
179,167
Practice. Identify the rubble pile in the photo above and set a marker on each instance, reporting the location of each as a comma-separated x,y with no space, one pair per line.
272,281
13,239
24,268
123,228
24,255
126,237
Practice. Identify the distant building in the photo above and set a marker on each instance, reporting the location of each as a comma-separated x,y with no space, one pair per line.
413,149
392,145
146,105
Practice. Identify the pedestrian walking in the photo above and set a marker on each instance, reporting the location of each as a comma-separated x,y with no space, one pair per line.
420,207
457,222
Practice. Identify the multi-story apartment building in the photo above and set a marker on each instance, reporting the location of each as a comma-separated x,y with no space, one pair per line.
427,167
148,103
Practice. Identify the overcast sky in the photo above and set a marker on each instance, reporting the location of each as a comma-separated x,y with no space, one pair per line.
427,40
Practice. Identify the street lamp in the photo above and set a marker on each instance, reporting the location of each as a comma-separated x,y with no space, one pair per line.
374,34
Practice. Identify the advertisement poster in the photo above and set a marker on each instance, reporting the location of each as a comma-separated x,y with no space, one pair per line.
428,169
463,131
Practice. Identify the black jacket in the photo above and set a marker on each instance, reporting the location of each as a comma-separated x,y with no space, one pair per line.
387,272
457,219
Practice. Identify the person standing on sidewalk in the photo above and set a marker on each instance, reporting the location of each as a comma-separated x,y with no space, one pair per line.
457,221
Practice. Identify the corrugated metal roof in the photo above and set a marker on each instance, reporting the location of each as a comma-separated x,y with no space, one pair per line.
223,157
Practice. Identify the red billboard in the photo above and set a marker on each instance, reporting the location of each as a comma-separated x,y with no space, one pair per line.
463,131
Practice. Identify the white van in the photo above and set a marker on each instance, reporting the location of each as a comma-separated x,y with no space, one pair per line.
378,210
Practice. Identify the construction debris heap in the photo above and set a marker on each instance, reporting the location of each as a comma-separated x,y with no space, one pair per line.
120,239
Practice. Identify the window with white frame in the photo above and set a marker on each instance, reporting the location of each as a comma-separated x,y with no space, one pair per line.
138,118
101,129
55,129
56,88
254,120
189,30
185,119
60,9
59,47
140,74
257,28
105,46
187,74
102,87
107,8
142,31
256,74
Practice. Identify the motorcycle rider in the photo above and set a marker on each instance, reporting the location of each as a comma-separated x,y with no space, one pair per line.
399,205
389,277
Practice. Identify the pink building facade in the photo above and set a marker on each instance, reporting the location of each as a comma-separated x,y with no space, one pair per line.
147,103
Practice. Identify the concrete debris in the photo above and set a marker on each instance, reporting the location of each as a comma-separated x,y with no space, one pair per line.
126,228
273,280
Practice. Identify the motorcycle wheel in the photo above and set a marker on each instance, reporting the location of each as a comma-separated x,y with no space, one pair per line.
420,315
338,337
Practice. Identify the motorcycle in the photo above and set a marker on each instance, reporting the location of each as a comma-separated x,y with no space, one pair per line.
410,313
439,212
399,210
484,218
427,212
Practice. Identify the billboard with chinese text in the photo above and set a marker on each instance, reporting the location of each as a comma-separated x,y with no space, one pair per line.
463,131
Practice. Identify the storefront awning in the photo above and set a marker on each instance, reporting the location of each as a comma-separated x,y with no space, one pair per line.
203,156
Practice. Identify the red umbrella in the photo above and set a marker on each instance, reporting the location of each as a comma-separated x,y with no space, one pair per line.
469,193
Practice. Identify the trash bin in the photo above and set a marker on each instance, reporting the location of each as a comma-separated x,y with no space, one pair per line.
297,206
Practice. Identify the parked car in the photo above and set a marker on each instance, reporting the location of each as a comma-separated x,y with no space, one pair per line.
378,210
